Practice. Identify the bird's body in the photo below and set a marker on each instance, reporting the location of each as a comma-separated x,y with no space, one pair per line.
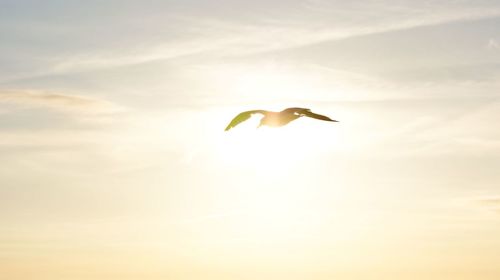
277,119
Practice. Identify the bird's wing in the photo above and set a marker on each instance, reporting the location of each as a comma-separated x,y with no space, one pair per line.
243,116
296,110
317,116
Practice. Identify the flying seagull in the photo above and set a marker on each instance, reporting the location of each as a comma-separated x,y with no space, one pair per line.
276,119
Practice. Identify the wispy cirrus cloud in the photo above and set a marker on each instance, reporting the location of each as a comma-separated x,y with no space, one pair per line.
493,44
206,33
493,201
490,203
237,39
57,101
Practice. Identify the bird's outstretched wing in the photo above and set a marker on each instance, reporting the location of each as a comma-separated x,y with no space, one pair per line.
243,116
297,110
307,112
310,114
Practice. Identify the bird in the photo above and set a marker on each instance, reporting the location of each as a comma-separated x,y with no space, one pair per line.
277,119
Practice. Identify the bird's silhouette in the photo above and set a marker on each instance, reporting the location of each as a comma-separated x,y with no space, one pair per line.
277,119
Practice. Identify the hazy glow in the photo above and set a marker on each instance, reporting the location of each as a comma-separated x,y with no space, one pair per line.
270,148
116,164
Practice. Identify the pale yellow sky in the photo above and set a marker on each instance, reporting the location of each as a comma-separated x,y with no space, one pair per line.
116,165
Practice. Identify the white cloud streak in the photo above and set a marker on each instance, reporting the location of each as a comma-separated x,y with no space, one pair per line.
206,35
235,39
493,44
57,101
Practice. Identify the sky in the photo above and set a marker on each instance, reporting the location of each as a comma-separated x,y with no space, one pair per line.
116,164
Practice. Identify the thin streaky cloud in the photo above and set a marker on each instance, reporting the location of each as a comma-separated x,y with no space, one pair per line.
57,101
490,201
493,44
240,40
228,38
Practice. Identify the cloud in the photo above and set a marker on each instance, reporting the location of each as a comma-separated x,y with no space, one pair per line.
488,201
57,101
491,203
493,44
206,34
236,39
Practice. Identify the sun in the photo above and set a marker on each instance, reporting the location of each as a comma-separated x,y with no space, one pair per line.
259,148
268,195
274,149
